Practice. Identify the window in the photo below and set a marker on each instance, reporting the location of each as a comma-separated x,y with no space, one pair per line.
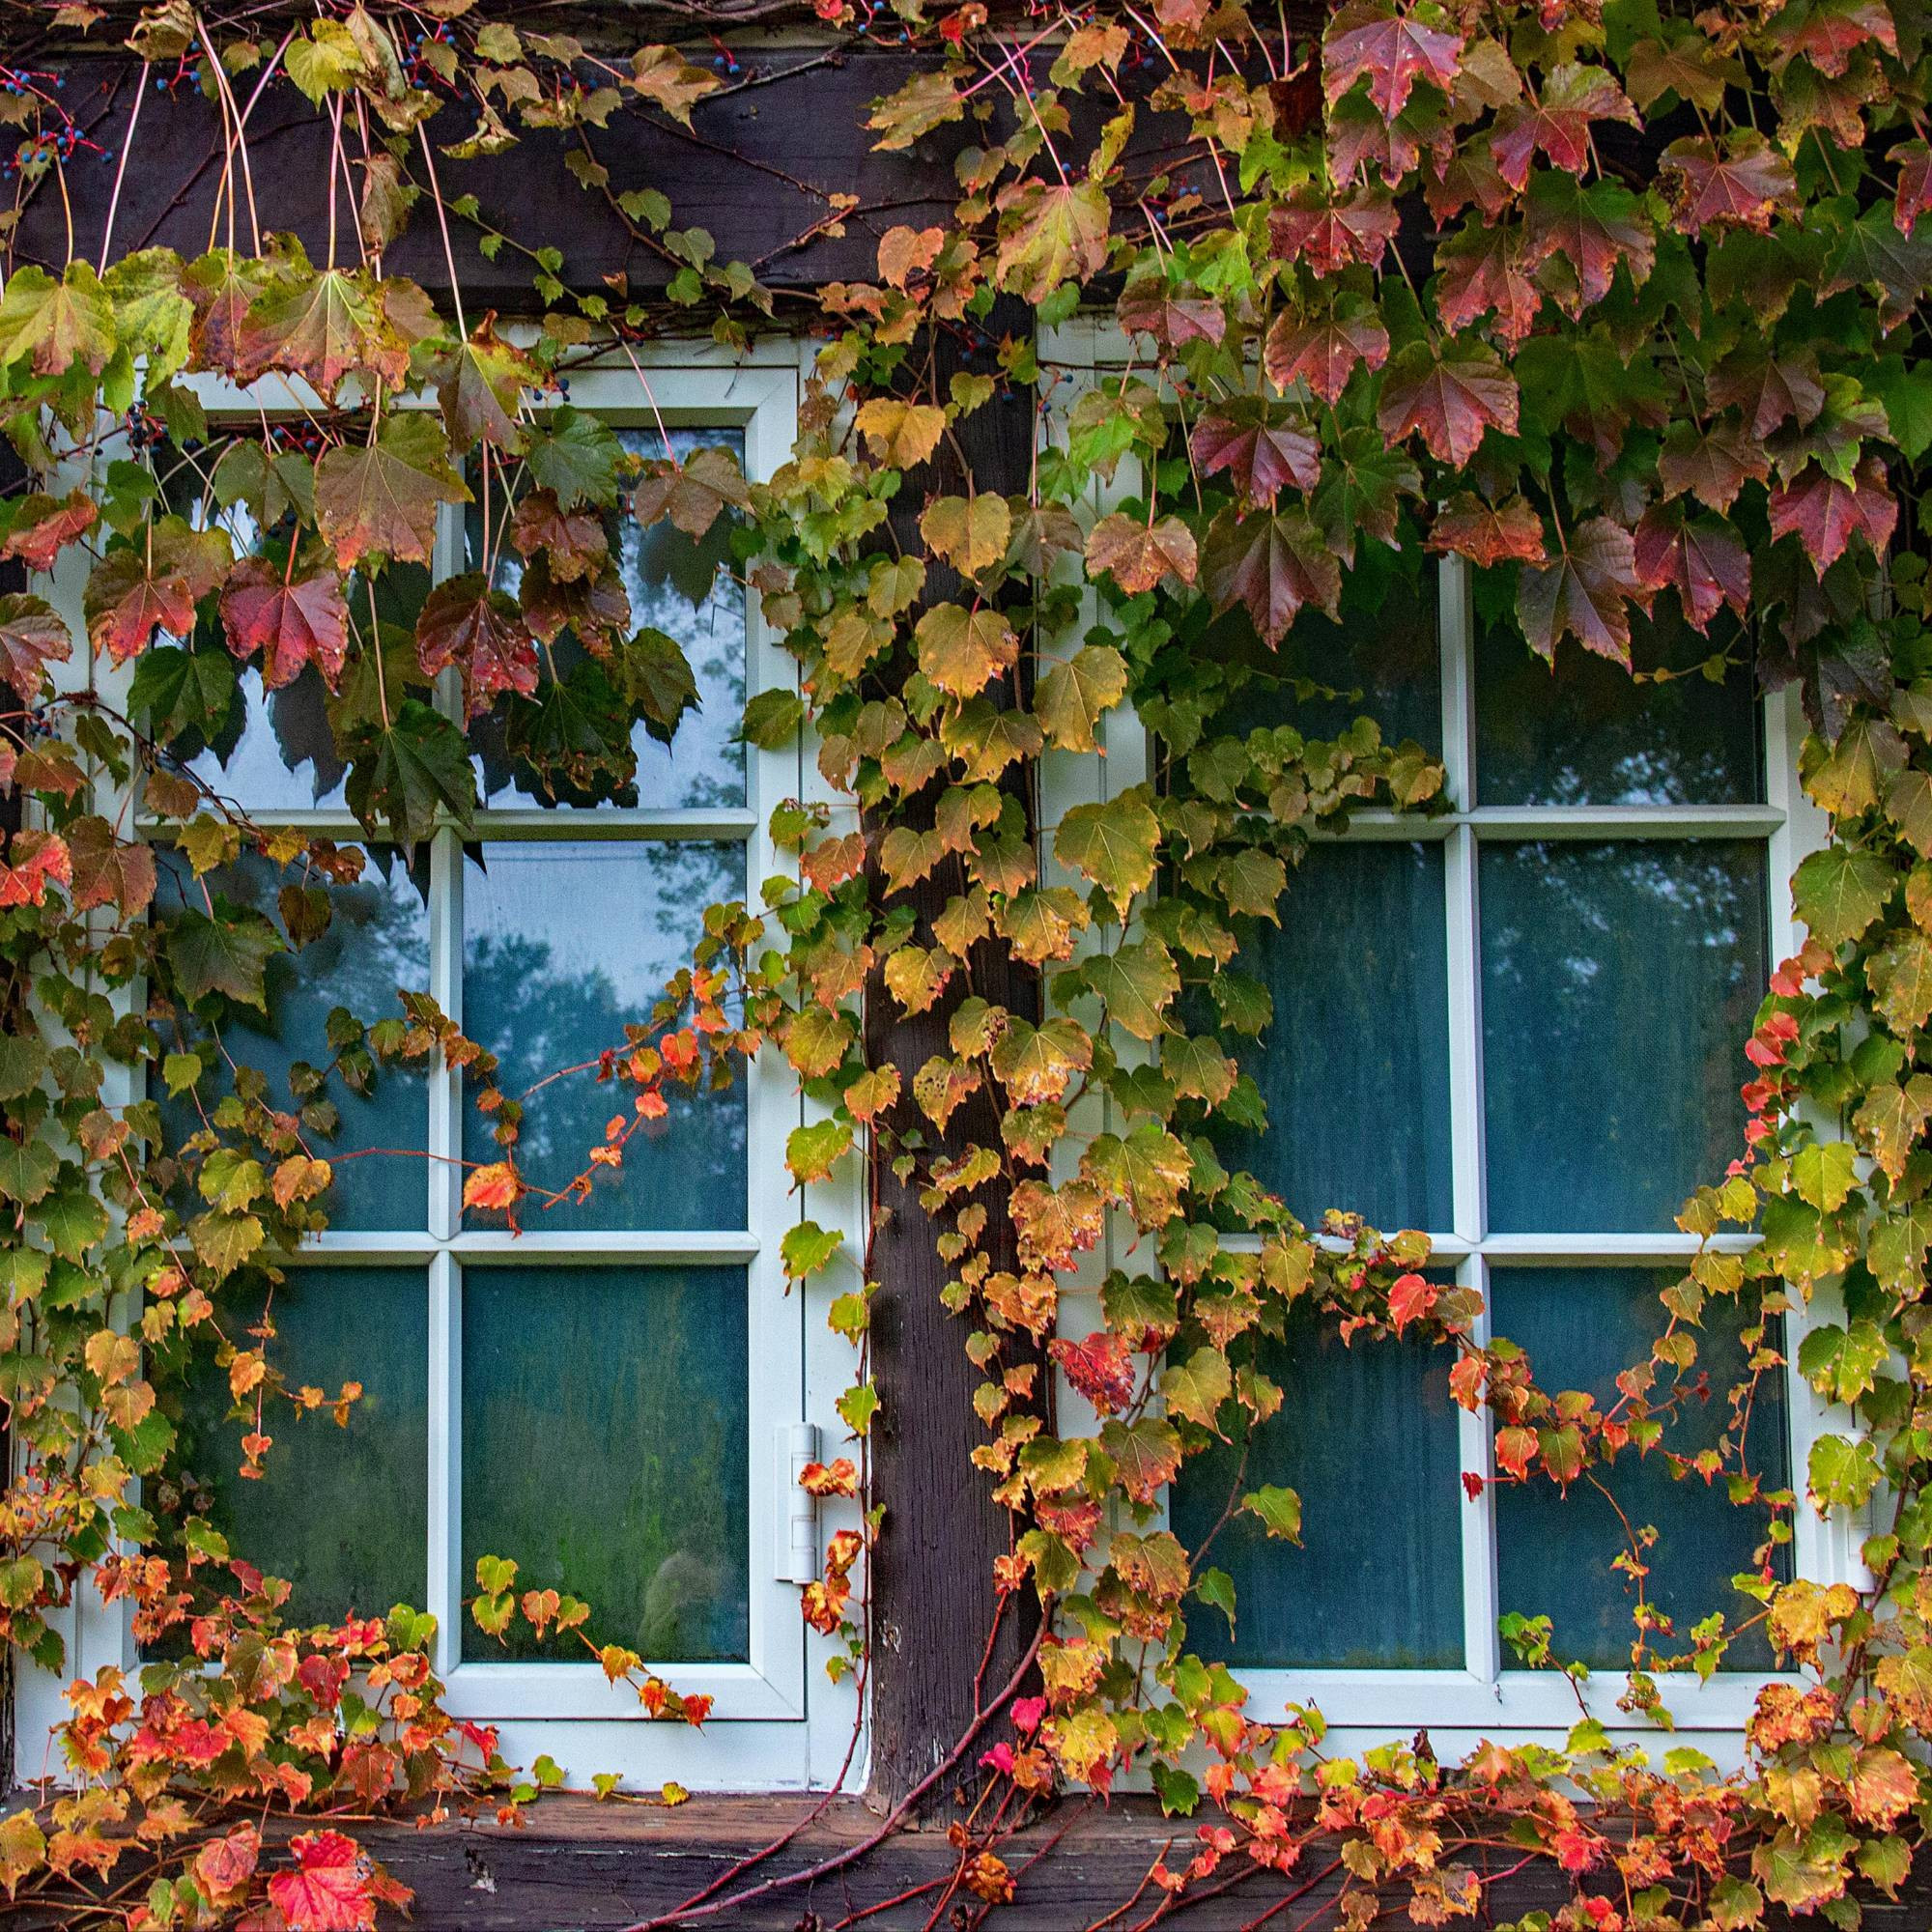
1519,1027
611,1396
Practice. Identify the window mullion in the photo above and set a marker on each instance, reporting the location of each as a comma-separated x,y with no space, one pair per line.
444,1474
1482,1649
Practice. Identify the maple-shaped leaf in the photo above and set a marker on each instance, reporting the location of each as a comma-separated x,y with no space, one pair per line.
1825,514
1556,123
1829,33
380,498
1328,235
1324,350
109,870
1742,188
1076,693
1687,66
57,324
325,324
1360,137
597,607
1465,177
224,286
573,742
328,1890
1051,233
32,636
1702,559
1913,193
1770,390
1585,589
960,650
480,385
1484,268
292,619
575,457
405,775
1592,229
693,493
1137,556
44,527
1451,399
1362,486
654,673
927,100
1259,448
1596,390
1149,307
1394,45
669,81
573,542
153,585
1113,844
898,432
480,631
1875,255
1487,534
1271,565
225,951
1712,465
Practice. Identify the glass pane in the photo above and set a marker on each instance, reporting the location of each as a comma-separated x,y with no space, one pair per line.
1582,1327
687,591
1382,659
1591,735
375,946
605,1419
564,945
1367,1433
342,1511
1618,981
1355,1068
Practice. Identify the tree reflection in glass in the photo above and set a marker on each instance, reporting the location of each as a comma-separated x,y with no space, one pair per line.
564,945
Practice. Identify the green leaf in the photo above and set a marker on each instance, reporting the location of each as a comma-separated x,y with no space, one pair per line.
1842,1364
27,1169
1176,1789
807,1247
1825,1174
1113,843
404,777
857,1407
1137,983
1279,1510
1842,1473
23,1060
575,457
772,718
810,1151
1838,891
228,953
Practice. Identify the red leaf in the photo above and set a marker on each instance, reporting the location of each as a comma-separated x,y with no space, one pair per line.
32,636
1271,565
1705,562
292,621
574,542
1258,454
1824,514
45,525
1393,48
1451,400
1323,354
597,608
480,631
1137,556
34,860
1586,591
1100,1368
1768,391
152,585
1488,534
1484,267
328,1891
1593,229
1328,236
494,1184
325,324
1410,1298
1745,188
1828,36
1914,160
1712,465
1558,123
1148,307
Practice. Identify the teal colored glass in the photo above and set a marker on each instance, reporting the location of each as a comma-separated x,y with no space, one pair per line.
605,1413
377,945
1367,1437
564,945
1582,1327
686,590
341,1512
1618,979
1355,1067
1381,660
1588,734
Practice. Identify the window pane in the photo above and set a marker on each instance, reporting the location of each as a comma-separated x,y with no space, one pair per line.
1591,735
1617,982
1583,1327
687,591
341,1512
375,946
1366,1435
605,1419
1382,659
1355,1067
564,945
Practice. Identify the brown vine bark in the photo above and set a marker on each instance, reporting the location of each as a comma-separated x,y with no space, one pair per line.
933,1601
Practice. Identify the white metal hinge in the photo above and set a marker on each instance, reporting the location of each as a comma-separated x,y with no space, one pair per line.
797,1552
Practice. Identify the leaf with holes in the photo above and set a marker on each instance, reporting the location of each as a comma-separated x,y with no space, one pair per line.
466,623
1138,555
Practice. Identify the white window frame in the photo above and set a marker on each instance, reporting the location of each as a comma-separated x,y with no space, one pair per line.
1487,1699
777,1723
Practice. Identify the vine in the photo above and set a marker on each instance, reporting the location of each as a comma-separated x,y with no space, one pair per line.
1618,303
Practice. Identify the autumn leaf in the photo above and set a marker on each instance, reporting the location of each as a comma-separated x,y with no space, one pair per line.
1259,451
495,1185
58,325
1111,843
1149,307
1328,235
32,636
671,82
1051,233
43,526
1271,565
1324,352
409,771
1076,692
1556,123
1593,229
382,497
328,1890
1712,465
573,542
1584,592
1394,47
927,100
291,620
1485,269
1825,514
323,325
151,585
480,385
960,650
1744,188
1769,391
1138,555
693,493
971,533
1487,534
481,631
1702,559
1451,399
900,433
